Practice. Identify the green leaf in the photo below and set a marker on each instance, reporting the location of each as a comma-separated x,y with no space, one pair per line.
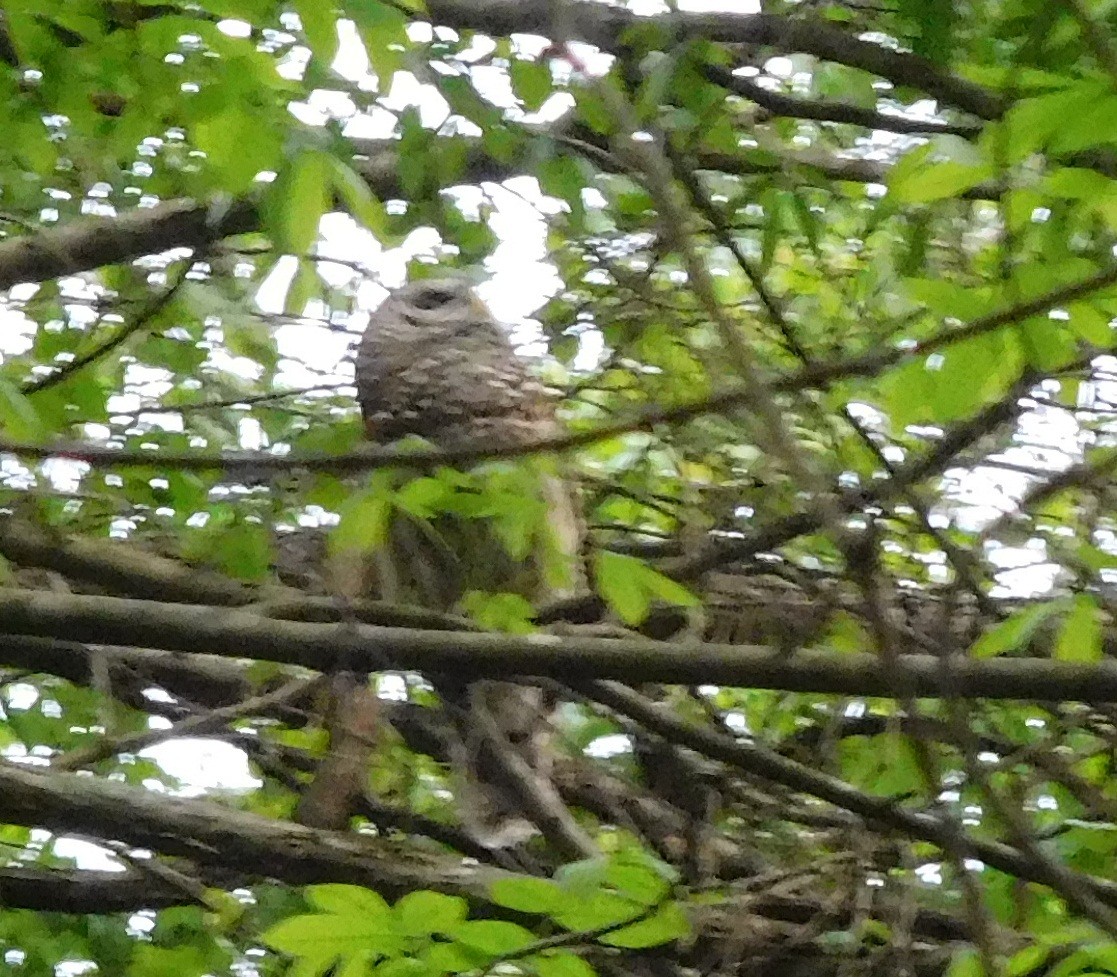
184,961
238,145
1030,122
446,958
889,767
1013,633
426,497
399,967
666,589
582,876
319,22
531,81
298,199
330,936
305,287
245,551
1048,345
253,340
1080,638
669,924
365,517
561,965
935,22
565,178
356,194
425,913
527,894
19,419
952,384
774,203
915,180
641,877
509,613
594,909
965,963
1093,124
628,585
620,587
950,299
493,936
345,899
383,29
1028,960
1078,184
1092,324
850,85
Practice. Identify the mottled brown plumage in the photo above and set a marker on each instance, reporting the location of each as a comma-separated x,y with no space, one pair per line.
434,363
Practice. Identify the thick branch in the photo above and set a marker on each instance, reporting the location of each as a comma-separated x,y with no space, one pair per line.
604,27
254,464
569,658
228,839
116,566
90,242
85,892
824,110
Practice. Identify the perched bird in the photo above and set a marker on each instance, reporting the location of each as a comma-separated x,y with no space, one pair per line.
434,363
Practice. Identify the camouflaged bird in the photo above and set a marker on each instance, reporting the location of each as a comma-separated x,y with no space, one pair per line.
434,363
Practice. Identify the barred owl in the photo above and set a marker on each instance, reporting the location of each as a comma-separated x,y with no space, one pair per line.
433,362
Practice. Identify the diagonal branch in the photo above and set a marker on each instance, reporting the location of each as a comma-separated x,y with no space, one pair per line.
91,242
208,722
142,317
821,110
762,762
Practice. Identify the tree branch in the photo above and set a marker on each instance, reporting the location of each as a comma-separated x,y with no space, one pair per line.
140,318
569,658
762,762
91,242
604,26
821,110
228,839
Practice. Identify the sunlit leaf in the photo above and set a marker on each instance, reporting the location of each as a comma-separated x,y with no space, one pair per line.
1080,638
527,894
666,925
1014,632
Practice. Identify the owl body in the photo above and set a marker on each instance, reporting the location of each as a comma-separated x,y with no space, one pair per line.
434,363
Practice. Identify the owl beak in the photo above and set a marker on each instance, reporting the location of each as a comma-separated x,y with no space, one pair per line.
477,306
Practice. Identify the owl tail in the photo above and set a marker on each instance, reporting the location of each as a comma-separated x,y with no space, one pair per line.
511,762
499,751
484,809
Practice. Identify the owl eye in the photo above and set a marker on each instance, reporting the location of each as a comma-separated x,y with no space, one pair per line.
432,299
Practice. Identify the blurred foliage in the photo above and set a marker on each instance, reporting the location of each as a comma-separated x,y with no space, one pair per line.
370,147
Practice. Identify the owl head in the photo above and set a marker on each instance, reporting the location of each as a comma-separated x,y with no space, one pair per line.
437,302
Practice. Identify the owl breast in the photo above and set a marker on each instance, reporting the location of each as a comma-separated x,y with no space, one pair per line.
455,384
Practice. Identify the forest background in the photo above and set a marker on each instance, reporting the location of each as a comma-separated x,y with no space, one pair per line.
825,293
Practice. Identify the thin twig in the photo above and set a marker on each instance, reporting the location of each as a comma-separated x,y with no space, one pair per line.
207,722
142,317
